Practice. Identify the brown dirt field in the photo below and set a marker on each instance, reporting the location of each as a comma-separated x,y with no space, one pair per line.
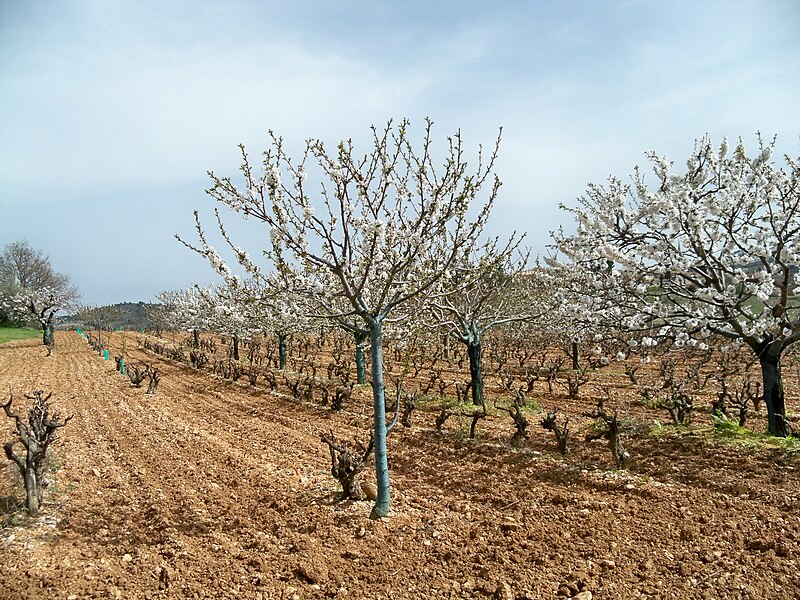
210,489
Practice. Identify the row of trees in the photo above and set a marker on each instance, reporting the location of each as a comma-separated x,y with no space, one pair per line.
32,293
392,237
389,228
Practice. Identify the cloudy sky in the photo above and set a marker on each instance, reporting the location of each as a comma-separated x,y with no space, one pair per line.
112,112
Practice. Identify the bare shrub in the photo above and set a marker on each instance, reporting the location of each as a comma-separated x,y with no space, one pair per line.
347,462
679,405
155,378
576,378
136,373
442,417
208,345
462,391
519,418
631,373
271,379
475,416
198,358
293,385
36,435
252,374
236,371
608,427
342,393
561,431
409,404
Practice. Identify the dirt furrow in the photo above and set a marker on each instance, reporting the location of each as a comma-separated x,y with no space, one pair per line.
213,489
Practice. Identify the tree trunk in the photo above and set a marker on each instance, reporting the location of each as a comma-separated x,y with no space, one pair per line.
32,491
381,507
474,350
48,337
282,351
47,334
361,365
770,359
575,356
196,338
235,347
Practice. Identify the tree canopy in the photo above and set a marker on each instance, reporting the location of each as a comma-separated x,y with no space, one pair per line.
30,290
712,250
376,231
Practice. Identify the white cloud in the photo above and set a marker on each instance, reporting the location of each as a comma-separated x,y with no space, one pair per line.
112,103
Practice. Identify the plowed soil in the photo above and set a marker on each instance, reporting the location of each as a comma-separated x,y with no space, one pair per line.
209,489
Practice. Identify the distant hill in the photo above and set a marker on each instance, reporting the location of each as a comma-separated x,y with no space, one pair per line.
130,315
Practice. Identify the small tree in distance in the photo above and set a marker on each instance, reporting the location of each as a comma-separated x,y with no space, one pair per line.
714,250
482,291
31,290
96,317
187,310
386,228
265,304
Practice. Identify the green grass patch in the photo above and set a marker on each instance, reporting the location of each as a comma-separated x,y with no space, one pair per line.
10,334
727,431
740,436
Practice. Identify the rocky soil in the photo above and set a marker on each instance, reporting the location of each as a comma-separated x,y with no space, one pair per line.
209,489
